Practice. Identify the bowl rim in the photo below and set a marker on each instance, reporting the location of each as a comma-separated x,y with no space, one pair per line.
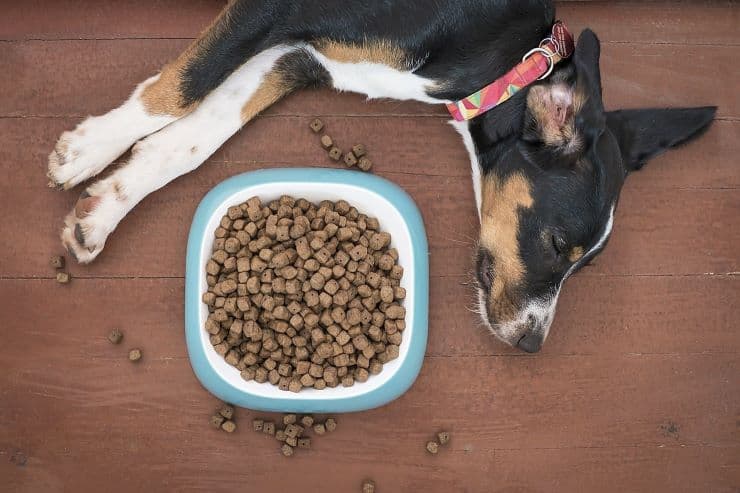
409,368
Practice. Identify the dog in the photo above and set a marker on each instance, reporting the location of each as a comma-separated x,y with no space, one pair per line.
548,165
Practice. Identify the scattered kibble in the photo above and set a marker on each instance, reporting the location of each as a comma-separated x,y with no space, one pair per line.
358,150
134,355
350,159
227,411
289,419
216,421
307,421
432,447
335,153
304,443
319,428
63,277
368,486
228,426
364,164
443,437
115,336
268,428
57,262
330,424
287,450
316,125
257,424
327,142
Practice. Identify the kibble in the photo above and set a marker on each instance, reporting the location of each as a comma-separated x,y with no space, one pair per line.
335,153
227,411
216,421
358,150
330,424
316,125
368,486
432,447
257,424
350,159
115,336
134,355
228,426
63,277
443,437
326,142
57,262
287,450
364,164
304,295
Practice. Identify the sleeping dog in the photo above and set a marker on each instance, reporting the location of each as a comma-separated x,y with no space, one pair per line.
548,164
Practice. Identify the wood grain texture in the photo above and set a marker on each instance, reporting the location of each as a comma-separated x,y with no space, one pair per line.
636,389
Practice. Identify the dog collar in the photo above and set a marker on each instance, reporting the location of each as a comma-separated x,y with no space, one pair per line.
537,64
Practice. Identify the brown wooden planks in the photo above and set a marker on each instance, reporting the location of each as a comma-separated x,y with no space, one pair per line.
141,416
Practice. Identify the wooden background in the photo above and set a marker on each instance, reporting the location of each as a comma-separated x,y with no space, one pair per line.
637,388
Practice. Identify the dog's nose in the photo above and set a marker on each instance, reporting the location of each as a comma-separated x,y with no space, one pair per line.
530,343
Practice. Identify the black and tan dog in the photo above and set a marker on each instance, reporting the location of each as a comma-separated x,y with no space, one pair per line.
548,165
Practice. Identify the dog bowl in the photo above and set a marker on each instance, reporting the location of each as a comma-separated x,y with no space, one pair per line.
374,196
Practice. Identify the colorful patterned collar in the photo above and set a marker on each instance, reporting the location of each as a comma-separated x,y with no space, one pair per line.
537,64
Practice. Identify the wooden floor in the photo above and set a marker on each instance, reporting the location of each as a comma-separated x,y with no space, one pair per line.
636,390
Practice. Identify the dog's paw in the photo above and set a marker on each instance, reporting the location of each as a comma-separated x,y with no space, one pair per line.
95,216
81,154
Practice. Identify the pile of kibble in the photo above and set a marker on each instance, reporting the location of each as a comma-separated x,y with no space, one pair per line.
304,295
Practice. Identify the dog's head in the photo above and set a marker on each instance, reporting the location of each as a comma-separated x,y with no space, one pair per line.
548,194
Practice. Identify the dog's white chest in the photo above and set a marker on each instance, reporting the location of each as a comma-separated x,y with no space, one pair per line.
377,80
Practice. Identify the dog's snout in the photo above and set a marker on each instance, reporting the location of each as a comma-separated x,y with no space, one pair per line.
530,342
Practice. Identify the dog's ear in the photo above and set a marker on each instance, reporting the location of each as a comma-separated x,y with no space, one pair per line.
566,112
644,134
590,120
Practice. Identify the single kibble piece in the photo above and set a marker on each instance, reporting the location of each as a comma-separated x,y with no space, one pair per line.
326,142
368,486
115,336
319,429
268,427
316,125
57,262
280,435
365,164
432,447
228,426
289,419
287,450
257,424
134,355
443,437
307,421
304,443
350,159
216,421
358,150
63,277
335,153
330,424
227,411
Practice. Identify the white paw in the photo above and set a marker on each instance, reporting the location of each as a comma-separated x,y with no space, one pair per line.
96,214
83,153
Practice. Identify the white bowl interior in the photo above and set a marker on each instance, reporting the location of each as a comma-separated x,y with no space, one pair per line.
367,202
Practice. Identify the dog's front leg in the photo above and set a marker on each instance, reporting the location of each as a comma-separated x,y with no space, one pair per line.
173,151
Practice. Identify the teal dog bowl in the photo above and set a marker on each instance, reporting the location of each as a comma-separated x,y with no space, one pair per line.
372,195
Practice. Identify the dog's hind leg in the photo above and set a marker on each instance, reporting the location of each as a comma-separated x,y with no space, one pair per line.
183,145
235,36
